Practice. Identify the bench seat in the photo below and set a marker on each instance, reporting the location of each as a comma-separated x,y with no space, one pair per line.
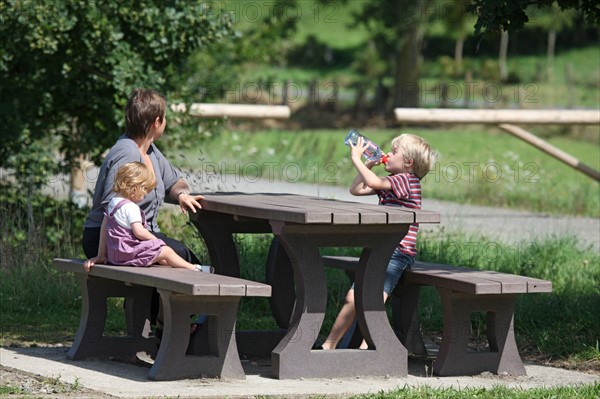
462,291
183,292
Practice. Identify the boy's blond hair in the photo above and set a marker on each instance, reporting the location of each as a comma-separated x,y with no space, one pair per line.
416,148
134,178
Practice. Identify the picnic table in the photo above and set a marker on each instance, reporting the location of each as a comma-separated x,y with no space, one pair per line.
302,225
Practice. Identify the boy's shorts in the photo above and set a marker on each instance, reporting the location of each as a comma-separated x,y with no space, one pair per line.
399,262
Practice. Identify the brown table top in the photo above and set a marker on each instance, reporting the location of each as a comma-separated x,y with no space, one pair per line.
312,210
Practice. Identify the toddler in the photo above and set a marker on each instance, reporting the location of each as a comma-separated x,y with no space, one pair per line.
124,237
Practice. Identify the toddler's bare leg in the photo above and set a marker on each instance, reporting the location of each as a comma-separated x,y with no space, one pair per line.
170,258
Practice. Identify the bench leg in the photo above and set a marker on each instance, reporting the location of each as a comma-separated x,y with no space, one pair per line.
453,357
90,341
222,359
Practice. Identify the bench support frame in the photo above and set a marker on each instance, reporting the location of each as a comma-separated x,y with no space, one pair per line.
454,358
172,361
503,355
90,341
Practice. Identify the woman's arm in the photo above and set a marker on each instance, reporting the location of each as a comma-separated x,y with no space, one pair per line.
180,193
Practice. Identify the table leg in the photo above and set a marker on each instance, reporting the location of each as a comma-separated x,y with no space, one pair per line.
405,311
294,357
218,237
280,276
217,232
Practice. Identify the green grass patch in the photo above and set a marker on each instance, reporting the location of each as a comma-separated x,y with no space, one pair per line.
497,392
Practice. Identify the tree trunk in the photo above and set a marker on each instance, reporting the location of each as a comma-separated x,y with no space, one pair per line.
550,55
502,56
408,66
458,51
381,98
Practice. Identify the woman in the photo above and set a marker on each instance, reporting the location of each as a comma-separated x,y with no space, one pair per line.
145,122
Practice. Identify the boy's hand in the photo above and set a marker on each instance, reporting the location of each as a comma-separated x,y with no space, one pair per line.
371,164
356,151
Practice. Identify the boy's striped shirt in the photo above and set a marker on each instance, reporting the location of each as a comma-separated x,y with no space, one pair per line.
405,192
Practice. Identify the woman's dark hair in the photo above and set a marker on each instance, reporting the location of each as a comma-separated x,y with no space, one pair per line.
142,109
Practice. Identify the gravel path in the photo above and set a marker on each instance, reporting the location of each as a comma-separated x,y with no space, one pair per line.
506,225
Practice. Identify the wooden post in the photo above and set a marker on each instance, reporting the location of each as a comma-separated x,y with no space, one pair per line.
286,93
551,150
570,85
313,94
444,95
468,80
491,116
254,111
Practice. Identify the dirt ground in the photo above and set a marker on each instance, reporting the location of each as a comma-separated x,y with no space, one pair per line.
17,382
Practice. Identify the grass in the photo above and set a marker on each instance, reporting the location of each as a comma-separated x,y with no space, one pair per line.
498,392
482,166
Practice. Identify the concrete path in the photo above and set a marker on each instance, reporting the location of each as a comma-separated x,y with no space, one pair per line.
126,380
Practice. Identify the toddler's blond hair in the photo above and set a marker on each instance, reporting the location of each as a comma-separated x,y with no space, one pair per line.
416,148
134,178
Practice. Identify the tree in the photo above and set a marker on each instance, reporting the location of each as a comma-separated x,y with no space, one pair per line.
554,20
397,29
494,16
67,66
459,26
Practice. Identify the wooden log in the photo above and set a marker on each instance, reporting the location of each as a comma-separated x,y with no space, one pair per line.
551,150
254,111
491,116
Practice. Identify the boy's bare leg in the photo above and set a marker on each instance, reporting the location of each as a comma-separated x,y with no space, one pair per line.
342,322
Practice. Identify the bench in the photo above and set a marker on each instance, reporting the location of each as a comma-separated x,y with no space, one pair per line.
462,291
183,292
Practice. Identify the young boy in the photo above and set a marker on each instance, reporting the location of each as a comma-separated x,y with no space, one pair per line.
409,161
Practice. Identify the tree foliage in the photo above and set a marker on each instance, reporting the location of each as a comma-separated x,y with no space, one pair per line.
66,67
494,16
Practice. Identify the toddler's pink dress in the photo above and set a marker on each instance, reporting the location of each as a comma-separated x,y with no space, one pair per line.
124,248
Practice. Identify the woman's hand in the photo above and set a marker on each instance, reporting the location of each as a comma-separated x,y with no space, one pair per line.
189,202
88,264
